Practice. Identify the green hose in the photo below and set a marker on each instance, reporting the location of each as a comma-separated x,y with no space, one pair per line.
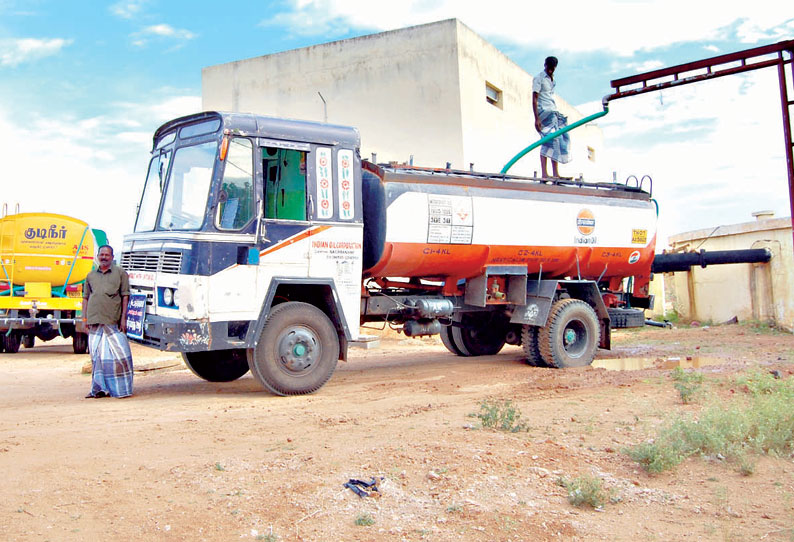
552,135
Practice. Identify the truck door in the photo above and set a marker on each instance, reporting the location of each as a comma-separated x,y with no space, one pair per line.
284,173
286,206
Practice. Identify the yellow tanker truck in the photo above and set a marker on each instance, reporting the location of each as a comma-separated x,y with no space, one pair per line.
44,260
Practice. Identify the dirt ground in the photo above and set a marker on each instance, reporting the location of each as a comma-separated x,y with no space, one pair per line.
185,459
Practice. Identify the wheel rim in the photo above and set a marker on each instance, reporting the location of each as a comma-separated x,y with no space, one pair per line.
298,349
574,338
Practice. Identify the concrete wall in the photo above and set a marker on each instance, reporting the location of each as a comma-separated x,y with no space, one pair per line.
760,292
399,88
415,91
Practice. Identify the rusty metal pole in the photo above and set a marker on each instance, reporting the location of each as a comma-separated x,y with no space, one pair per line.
785,103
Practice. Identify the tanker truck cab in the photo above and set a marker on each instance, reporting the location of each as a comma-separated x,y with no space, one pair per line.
247,248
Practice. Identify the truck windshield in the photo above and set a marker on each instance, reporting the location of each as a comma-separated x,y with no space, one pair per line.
152,190
185,200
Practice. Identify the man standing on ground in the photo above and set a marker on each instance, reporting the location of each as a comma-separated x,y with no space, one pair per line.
105,295
548,119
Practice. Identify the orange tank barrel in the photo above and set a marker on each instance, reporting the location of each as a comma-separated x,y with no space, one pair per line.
437,224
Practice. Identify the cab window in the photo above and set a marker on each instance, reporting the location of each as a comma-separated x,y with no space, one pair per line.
185,199
284,172
236,197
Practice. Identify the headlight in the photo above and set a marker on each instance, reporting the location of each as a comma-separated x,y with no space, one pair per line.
168,297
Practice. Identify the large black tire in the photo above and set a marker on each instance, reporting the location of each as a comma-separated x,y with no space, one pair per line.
80,342
29,340
217,365
297,350
482,334
623,318
572,335
12,341
529,342
449,341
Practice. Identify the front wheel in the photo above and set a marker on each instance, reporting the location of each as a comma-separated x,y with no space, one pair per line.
297,350
572,335
217,365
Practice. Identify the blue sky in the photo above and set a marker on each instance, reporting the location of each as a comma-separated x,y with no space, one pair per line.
84,84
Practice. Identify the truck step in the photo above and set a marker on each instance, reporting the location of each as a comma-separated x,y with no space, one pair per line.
366,342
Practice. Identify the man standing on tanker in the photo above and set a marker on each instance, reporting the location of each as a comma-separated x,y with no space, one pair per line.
548,119
105,295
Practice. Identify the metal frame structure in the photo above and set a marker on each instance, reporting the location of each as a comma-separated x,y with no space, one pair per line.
719,66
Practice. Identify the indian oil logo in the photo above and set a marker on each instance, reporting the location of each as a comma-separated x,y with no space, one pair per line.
585,222
634,257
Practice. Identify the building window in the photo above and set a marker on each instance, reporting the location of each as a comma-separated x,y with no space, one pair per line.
493,95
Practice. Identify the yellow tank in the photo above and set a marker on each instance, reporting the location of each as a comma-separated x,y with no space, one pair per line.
41,247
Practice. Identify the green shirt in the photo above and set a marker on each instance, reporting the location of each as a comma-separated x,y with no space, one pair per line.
103,292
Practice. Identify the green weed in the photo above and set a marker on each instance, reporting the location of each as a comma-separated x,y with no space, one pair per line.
746,466
761,421
688,384
585,490
762,328
500,415
669,316
220,467
364,520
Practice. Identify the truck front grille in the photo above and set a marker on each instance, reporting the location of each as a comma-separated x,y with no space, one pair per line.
161,262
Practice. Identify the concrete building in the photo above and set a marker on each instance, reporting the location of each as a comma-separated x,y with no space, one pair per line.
761,292
437,92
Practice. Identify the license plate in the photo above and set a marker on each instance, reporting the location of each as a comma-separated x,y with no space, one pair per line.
136,313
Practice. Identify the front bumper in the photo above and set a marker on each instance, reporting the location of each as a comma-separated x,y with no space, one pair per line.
176,335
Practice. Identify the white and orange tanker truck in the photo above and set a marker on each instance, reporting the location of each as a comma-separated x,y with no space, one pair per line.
263,244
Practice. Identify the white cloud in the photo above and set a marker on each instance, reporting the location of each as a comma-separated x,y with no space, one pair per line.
168,31
14,52
638,67
617,26
91,168
142,37
128,9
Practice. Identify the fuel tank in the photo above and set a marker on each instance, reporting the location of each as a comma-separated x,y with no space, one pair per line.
440,224
42,247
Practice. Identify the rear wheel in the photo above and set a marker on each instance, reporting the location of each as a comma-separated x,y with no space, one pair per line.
482,334
571,337
297,350
80,342
217,365
529,342
12,341
449,341
28,340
